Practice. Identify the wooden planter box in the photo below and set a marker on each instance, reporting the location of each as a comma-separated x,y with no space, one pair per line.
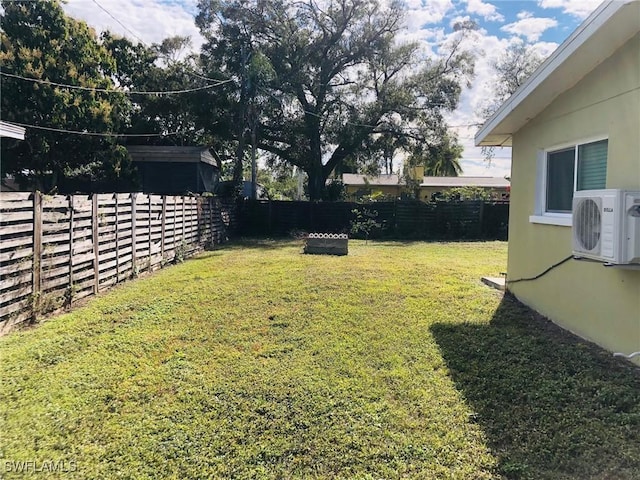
327,244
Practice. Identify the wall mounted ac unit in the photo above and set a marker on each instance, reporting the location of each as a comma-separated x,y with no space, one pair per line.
606,226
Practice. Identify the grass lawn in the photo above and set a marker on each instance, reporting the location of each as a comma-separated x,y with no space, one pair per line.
255,361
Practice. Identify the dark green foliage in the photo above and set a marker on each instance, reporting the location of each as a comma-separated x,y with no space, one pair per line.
39,41
364,222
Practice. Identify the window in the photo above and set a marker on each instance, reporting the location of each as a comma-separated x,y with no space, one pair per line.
560,173
563,171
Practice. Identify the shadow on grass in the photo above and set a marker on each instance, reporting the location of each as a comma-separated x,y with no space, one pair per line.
261,243
551,404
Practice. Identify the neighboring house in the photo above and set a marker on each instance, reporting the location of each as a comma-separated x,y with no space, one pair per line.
358,185
175,170
575,125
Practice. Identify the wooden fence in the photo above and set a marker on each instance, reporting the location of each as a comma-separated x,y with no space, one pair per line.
55,250
400,220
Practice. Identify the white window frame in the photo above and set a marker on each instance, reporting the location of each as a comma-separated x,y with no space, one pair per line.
541,215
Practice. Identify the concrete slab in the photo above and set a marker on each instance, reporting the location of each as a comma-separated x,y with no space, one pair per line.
495,282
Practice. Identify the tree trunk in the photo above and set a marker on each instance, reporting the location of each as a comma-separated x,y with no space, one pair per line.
317,180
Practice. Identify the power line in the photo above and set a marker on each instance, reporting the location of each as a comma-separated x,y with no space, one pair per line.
145,44
95,134
119,22
105,90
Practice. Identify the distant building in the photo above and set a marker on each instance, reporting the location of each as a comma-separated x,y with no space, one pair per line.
358,185
175,170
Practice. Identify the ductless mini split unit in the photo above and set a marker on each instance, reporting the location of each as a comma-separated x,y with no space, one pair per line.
606,226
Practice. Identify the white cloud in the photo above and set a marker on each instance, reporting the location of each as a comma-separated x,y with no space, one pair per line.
578,8
421,13
486,10
479,167
150,20
530,27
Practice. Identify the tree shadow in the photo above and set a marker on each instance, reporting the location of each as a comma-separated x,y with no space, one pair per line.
261,243
551,404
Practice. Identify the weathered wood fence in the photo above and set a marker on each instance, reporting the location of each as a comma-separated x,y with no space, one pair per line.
453,220
55,250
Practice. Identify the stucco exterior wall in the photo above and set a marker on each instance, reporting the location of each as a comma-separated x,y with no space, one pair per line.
598,303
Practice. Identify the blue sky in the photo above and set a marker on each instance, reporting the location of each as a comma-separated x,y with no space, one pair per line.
561,24
543,23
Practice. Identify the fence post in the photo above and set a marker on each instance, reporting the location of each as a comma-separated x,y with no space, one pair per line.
37,253
149,231
117,240
134,268
71,217
183,223
96,242
164,224
211,232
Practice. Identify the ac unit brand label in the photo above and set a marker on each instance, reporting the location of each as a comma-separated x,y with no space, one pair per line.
608,209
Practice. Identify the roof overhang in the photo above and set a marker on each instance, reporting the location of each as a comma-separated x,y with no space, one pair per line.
609,27
11,131
171,154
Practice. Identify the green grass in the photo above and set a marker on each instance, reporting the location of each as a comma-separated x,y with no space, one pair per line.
255,361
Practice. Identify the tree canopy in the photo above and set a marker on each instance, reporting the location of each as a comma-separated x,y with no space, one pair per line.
338,80
41,47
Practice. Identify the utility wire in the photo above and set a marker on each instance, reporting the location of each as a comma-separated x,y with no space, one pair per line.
119,22
96,134
110,90
145,43
529,279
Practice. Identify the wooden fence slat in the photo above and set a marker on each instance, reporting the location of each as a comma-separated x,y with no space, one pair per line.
15,243
15,196
15,217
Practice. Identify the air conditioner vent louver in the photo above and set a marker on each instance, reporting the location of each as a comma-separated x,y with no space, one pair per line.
606,227
588,225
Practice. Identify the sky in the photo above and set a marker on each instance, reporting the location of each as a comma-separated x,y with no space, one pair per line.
542,23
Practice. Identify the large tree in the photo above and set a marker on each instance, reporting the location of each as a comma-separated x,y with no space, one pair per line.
42,51
511,71
340,79
176,118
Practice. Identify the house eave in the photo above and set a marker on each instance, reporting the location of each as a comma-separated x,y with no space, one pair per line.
609,27
11,131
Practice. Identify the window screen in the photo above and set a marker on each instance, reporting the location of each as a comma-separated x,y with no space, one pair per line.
560,170
592,165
